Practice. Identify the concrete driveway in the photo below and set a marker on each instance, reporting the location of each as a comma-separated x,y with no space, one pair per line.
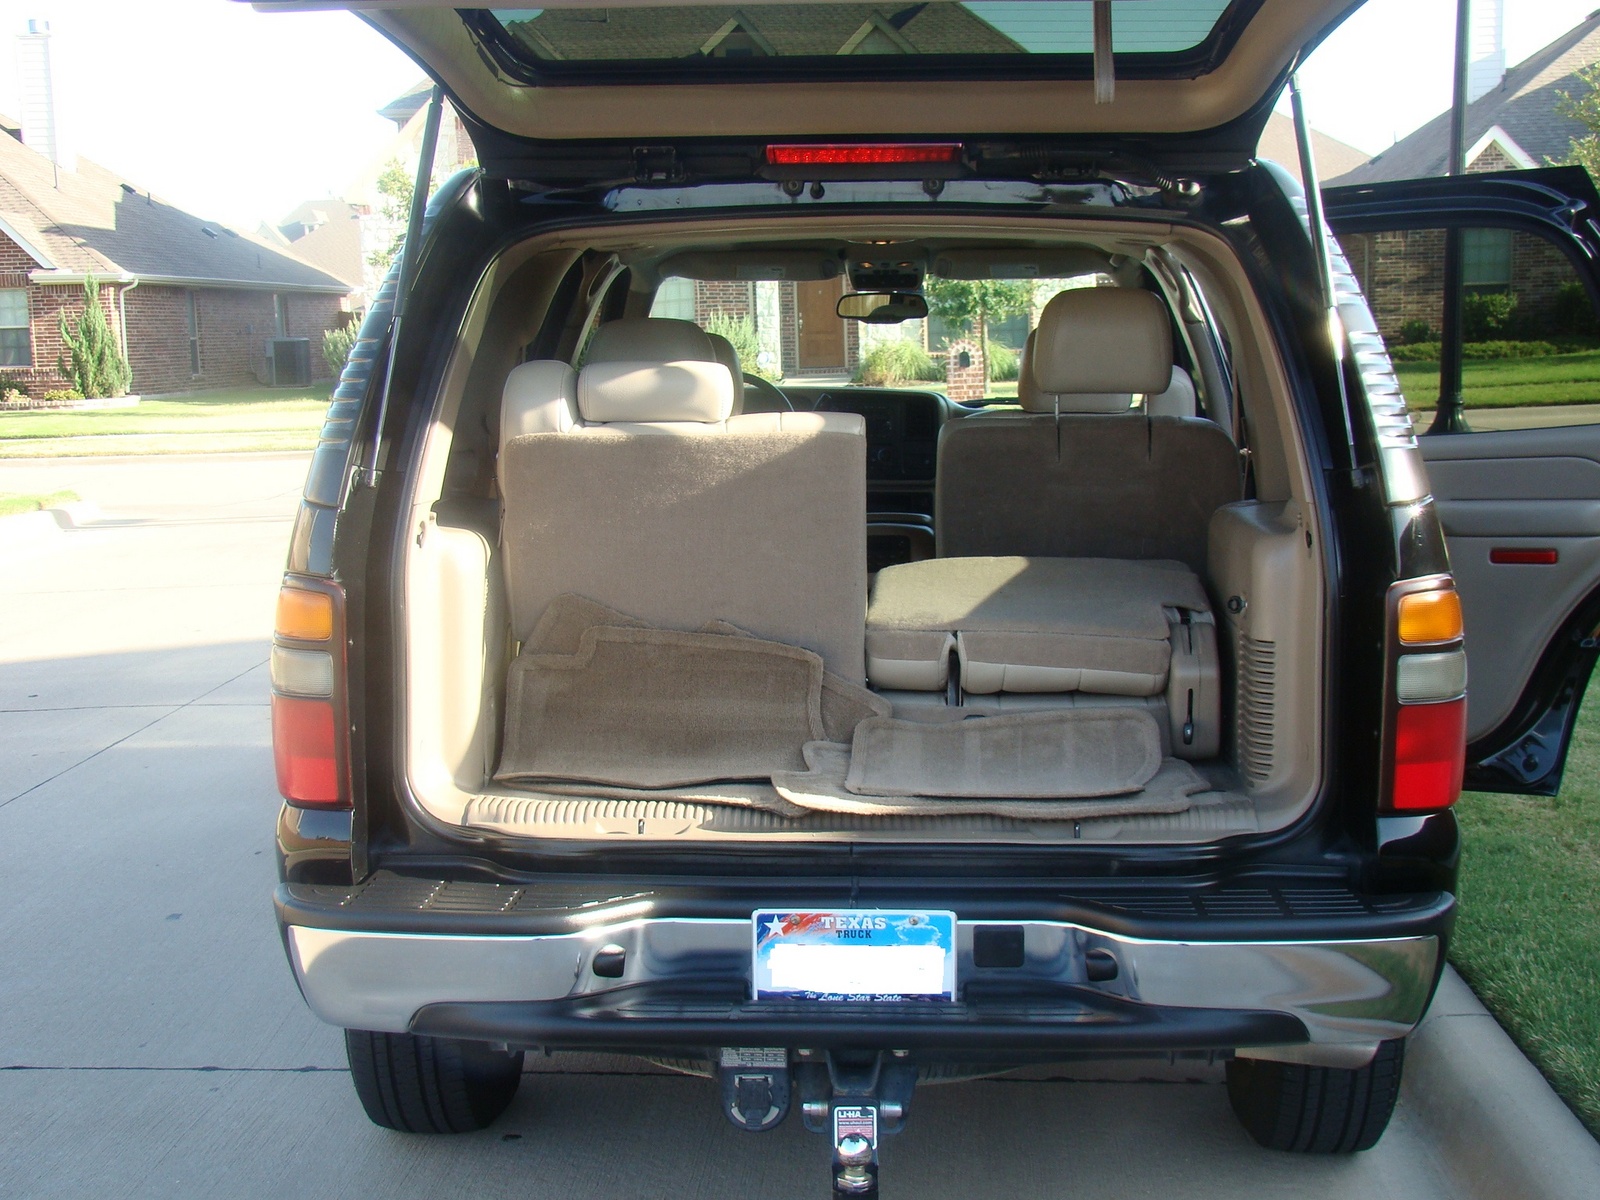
152,1042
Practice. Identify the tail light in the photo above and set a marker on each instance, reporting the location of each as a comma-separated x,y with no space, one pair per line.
310,740
1425,706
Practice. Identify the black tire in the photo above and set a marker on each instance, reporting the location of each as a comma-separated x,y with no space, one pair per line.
1316,1110
422,1084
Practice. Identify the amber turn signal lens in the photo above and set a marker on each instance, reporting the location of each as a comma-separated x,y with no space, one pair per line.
305,615
1430,617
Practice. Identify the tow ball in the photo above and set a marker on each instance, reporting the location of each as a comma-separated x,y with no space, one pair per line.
853,1098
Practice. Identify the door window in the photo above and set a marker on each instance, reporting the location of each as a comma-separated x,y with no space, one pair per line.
1532,341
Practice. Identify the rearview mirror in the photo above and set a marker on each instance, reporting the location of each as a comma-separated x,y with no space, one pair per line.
883,308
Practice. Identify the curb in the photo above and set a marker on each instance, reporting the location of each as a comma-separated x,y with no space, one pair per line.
1499,1129
29,528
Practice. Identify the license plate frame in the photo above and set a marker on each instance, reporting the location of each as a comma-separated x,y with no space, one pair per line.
854,955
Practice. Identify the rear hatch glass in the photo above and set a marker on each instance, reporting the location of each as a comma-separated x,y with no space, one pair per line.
975,39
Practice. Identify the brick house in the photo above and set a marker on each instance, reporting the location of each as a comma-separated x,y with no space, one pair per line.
1512,123
193,303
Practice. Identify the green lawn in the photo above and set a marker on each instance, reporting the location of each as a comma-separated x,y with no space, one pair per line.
10,505
255,418
1509,382
1529,935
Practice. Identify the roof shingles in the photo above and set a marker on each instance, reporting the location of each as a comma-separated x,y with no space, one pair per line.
1523,106
90,220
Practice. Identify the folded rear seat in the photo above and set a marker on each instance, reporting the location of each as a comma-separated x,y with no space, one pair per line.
1013,624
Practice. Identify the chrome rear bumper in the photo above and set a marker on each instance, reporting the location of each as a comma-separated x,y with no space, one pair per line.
1323,1001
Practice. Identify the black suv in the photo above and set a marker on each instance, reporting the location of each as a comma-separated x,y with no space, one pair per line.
818,735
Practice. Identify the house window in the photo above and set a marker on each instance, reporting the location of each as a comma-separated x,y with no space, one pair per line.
280,316
192,313
1486,258
16,341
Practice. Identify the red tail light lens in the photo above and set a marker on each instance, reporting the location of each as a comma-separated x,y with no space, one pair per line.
1430,747
305,749
863,154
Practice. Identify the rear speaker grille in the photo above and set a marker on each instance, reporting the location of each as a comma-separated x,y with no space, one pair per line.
1258,687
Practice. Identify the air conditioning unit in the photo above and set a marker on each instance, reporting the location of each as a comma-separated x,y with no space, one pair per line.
289,362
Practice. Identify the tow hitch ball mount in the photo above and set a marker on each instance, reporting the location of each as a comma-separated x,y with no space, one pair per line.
852,1098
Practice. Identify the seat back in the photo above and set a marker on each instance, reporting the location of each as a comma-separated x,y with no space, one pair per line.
630,483
1078,473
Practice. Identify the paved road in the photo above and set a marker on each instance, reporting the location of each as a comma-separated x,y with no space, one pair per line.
151,1039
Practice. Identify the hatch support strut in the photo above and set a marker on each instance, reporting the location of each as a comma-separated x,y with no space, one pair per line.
1318,228
407,270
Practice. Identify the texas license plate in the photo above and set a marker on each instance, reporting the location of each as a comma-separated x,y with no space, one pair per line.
854,954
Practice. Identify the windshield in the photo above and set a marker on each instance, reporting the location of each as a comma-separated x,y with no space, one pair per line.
1051,37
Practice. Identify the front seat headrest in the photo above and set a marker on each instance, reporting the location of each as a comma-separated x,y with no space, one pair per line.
1101,342
650,339
729,357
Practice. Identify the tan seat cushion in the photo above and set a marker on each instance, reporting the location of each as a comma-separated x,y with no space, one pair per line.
1022,624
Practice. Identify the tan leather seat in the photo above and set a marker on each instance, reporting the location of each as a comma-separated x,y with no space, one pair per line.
632,483
1080,473
665,339
1011,624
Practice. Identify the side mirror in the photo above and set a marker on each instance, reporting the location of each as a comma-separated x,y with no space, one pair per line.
883,308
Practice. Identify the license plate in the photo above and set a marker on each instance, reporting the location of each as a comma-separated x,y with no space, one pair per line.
854,954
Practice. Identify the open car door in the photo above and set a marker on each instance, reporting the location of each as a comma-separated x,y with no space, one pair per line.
1519,495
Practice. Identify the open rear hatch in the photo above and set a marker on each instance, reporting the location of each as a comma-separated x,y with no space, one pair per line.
685,93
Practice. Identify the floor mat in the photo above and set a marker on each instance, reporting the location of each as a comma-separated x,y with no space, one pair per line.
822,788
1067,753
659,708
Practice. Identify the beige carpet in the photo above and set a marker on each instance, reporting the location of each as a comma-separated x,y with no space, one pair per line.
1066,753
598,696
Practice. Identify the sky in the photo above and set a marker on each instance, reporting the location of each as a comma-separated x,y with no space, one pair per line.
239,116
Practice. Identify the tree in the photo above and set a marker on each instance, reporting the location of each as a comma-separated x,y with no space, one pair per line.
90,356
976,302
396,186
1585,109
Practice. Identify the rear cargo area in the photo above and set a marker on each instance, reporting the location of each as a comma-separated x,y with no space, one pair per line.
641,606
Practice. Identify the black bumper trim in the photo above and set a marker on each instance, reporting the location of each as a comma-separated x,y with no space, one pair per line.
713,1013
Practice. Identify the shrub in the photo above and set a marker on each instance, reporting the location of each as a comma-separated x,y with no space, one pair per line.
1481,351
14,383
11,398
1001,362
336,345
61,396
90,356
1416,331
741,331
889,364
1486,316
1571,312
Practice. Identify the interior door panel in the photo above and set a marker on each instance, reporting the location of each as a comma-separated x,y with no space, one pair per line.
1519,489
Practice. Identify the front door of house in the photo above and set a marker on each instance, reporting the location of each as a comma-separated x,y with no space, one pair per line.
821,331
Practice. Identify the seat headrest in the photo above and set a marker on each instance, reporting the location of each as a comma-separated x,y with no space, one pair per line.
1027,390
1101,342
729,357
650,339
1177,400
655,391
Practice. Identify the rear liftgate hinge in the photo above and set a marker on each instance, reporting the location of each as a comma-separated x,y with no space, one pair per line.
657,164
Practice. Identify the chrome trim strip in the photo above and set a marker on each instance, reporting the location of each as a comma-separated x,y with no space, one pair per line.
1347,993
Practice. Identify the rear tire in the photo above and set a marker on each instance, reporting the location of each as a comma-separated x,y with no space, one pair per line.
420,1084
1316,1110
